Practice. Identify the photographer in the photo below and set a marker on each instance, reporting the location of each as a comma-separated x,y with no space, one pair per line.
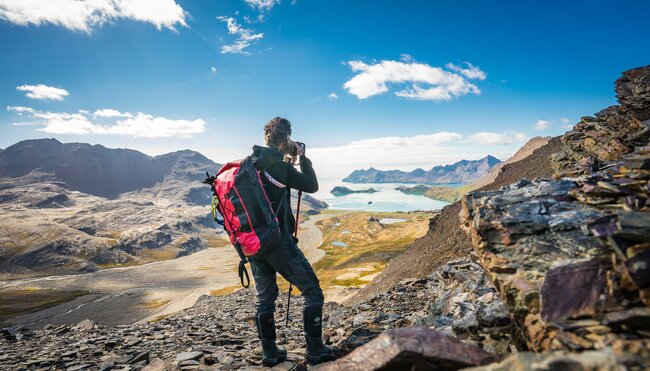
275,163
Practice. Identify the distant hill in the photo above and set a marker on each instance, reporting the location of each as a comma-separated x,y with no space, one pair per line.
464,171
101,171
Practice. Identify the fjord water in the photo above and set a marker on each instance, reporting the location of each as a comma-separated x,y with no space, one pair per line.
386,199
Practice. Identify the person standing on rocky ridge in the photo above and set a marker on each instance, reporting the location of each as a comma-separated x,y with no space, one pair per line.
275,162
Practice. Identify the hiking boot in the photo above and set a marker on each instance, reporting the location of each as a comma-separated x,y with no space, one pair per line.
317,352
272,355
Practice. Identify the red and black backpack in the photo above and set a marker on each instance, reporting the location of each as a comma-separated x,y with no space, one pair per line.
248,216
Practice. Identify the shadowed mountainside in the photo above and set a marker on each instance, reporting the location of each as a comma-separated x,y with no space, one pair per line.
97,170
71,208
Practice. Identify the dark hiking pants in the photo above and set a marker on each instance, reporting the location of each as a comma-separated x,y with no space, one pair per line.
286,259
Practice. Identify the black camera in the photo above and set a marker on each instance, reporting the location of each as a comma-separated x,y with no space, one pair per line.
297,149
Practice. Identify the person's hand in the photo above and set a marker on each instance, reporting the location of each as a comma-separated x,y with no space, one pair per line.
289,159
301,147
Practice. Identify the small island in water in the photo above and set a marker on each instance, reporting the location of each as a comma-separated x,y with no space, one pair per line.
342,191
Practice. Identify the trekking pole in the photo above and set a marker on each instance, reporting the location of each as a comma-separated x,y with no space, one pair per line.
295,234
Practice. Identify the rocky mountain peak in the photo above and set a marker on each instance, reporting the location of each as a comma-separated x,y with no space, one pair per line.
491,160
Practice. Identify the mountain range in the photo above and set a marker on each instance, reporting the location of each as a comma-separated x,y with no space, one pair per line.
464,171
75,207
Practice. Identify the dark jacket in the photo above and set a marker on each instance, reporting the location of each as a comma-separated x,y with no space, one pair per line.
269,160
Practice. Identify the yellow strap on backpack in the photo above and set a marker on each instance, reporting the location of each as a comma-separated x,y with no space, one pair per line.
215,202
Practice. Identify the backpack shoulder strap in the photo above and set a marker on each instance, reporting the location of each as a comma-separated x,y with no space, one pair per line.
269,177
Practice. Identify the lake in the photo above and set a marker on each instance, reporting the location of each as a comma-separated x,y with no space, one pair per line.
387,199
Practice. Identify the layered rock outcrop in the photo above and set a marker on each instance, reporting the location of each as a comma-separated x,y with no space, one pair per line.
570,256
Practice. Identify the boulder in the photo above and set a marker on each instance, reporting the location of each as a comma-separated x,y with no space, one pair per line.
412,348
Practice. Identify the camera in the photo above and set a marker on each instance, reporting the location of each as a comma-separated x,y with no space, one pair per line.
296,149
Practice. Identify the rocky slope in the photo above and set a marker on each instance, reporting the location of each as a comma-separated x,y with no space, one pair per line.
460,172
457,299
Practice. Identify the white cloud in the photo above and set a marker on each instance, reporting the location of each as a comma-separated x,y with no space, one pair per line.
259,19
565,120
521,137
332,96
372,79
23,123
542,125
43,92
245,37
471,72
143,125
20,110
213,69
84,15
491,138
262,4
67,123
108,112
116,123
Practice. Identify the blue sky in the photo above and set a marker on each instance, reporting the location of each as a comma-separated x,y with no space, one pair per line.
365,83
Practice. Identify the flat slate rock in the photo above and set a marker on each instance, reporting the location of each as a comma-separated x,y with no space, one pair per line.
412,348
584,282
